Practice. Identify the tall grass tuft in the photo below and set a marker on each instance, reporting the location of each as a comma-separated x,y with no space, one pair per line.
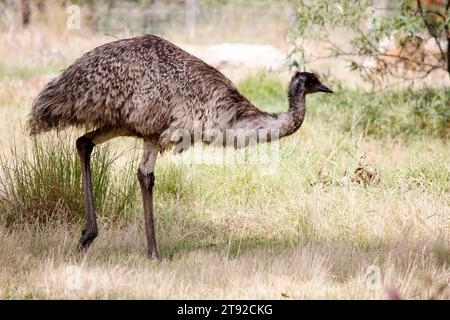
43,184
390,114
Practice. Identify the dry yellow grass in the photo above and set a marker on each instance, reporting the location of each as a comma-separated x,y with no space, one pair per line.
235,232
338,242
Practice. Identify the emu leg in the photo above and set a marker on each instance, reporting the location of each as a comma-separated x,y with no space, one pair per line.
85,144
146,180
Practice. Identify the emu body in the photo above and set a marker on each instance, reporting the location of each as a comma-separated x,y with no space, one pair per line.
149,88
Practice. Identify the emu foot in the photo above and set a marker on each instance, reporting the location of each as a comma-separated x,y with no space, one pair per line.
87,237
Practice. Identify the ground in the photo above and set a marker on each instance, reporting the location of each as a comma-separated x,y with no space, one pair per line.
332,214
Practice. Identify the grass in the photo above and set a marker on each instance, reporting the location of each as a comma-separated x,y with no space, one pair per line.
44,184
307,230
389,114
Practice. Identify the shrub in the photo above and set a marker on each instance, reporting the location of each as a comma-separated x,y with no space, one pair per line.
44,183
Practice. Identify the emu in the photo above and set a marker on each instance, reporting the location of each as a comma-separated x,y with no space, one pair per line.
149,88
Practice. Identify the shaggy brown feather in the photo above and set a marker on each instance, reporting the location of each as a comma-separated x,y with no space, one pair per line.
147,86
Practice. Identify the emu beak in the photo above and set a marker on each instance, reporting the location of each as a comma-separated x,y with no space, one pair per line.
323,88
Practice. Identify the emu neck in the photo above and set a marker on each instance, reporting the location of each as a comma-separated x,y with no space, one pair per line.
282,124
294,117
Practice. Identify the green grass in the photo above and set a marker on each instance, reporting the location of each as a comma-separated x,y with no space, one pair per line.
387,114
390,114
24,72
43,184
266,91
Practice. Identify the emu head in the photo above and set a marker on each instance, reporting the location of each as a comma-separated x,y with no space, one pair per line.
308,83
